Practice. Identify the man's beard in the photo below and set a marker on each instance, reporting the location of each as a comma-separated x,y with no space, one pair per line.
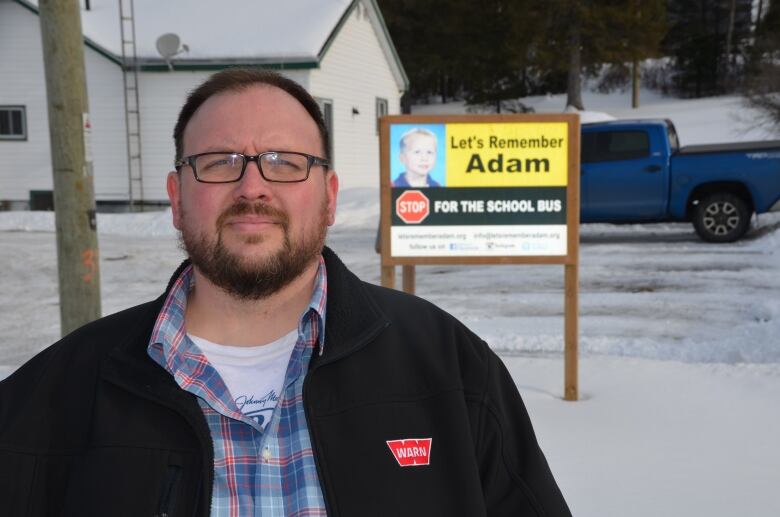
254,279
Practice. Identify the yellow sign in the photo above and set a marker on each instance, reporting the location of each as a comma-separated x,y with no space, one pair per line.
507,154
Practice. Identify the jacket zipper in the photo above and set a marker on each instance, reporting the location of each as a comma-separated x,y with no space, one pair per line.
314,445
168,496
150,395
309,422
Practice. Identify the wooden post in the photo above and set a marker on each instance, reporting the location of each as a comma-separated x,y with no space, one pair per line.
388,276
571,314
69,130
571,390
408,279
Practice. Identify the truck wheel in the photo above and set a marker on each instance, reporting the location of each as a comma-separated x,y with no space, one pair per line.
721,217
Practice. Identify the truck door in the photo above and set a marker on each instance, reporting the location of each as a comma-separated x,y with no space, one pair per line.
622,180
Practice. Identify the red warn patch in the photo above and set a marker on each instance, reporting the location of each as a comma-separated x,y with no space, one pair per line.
412,451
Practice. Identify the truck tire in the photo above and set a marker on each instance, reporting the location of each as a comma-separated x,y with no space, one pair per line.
721,217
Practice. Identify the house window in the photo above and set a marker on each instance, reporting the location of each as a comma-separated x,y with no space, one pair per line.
13,123
326,106
381,111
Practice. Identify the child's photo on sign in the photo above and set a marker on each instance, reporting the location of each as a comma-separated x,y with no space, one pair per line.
417,155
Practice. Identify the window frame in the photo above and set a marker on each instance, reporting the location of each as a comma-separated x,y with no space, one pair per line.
380,101
322,102
11,137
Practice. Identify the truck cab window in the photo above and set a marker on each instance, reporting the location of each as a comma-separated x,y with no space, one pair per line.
607,146
626,145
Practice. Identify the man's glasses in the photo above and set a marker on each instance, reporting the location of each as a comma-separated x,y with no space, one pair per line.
229,167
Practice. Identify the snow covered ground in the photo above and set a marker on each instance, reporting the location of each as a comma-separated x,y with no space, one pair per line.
680,346
680,370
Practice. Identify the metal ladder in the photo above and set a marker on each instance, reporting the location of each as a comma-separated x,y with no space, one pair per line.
130,68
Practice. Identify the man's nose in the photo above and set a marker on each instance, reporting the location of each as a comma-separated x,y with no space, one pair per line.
252,185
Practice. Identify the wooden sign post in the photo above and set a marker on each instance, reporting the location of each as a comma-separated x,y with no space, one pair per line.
483,189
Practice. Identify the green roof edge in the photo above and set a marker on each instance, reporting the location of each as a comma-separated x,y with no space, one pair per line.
336,29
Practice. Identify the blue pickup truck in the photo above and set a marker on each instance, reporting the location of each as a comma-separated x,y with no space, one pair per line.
635,171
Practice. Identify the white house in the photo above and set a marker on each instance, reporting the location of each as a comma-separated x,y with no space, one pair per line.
340,50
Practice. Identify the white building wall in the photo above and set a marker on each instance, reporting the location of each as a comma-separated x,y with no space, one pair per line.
353,73
107,115
162,96
24,165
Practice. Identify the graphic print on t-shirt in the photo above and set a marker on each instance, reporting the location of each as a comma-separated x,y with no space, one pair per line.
254,375
258,409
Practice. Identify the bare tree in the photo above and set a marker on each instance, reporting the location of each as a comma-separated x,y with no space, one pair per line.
762,85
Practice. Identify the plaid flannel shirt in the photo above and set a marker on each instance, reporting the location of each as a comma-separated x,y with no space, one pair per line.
256,473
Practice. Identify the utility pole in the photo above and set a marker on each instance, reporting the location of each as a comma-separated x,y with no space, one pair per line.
69,133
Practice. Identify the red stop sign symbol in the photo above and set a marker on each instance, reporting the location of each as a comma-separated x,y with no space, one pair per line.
412,206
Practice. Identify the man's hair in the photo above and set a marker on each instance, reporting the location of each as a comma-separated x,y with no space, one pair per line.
239,79
416,131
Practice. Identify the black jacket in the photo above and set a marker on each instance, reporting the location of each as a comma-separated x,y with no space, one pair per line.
92,426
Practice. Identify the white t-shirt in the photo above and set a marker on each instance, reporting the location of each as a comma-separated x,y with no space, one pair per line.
254,375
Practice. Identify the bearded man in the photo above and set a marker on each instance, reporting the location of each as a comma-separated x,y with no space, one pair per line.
267,380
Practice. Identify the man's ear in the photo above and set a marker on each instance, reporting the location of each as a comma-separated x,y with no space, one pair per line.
331,191
173,185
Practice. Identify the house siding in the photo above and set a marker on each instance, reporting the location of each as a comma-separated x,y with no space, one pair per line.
162,95
26,164
25,84
107,115
353,73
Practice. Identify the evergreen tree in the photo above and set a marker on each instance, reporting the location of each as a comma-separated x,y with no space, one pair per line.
424,33
495,60
640,26
578,38
562,43
492,51
704,41
472,50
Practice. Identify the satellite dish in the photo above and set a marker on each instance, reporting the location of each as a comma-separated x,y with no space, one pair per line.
168,45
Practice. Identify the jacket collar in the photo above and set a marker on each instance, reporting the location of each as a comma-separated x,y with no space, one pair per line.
353,319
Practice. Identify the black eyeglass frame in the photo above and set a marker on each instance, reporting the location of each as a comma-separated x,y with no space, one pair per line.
311,160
